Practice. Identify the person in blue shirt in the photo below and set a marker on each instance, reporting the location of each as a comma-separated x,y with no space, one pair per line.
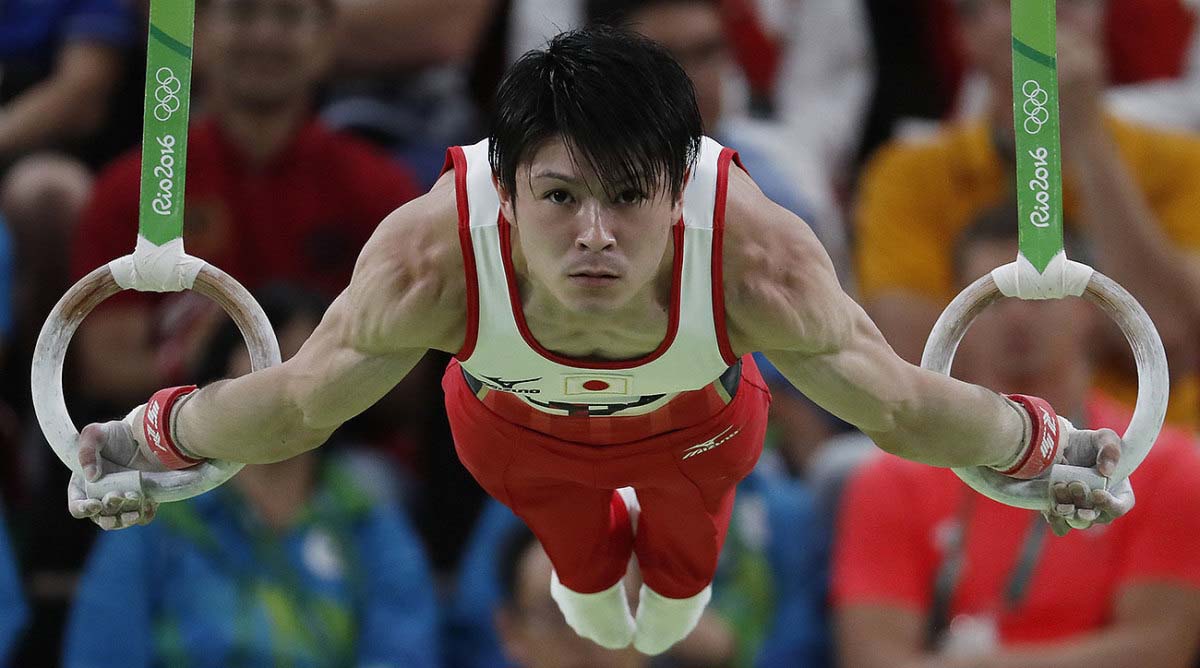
13,611
309,562
768,594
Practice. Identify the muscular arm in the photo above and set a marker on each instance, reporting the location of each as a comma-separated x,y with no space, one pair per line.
406,296
72,102
783,299
1154,625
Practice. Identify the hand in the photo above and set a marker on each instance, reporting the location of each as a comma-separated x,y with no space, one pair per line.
104,449
1082,79
1075,505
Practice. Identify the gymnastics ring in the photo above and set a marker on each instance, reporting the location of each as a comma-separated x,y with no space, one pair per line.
1148,414
51,407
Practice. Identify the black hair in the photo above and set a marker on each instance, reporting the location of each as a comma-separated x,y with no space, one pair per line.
618,12
621,103
283,303
508,561
999,223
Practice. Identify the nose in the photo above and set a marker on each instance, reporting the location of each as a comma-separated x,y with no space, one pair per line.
595,234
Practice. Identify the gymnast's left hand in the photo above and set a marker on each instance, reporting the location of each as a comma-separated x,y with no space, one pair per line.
1074,505
104,449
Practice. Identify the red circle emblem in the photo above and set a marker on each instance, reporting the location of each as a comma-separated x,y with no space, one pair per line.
595,386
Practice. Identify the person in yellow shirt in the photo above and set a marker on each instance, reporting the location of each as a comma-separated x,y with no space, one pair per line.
1133,191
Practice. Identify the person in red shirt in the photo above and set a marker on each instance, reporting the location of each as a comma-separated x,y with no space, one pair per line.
272,194
940,576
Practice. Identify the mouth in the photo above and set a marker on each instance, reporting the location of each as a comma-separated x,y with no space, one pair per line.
594,277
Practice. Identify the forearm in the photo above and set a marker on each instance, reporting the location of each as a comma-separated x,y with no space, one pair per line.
280,412
58,108
1130,245
253,419
951,423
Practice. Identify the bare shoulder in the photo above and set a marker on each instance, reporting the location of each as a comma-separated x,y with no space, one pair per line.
781,290
409,288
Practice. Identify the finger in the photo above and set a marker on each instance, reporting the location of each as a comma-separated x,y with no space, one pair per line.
90,442
149,513
1064,510
1077,522
78,503
1080,494
1089,515
108,522
1061,494
133,502
113,502
1111,506
1110,452
132,518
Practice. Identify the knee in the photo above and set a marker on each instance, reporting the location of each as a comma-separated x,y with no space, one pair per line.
45,189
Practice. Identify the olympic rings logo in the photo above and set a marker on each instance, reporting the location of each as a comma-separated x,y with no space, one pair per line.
1036,113
167,94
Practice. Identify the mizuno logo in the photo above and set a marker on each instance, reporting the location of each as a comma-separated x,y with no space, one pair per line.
511,385
711,443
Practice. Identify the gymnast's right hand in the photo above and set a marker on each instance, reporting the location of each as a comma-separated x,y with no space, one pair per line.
104,449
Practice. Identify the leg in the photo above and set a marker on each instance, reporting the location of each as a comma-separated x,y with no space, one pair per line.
585,531
683,523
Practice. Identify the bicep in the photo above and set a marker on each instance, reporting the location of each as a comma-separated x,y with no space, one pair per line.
334,378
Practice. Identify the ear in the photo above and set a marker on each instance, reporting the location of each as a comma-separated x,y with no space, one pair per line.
507,203
512,636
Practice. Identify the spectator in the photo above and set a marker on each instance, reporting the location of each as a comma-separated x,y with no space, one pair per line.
62,61
13,613
1134,190
529,624
403,75
272,194
64,75
692,31
929,573
768,595
302,562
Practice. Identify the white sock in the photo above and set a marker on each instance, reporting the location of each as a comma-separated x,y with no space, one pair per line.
662,621
602,617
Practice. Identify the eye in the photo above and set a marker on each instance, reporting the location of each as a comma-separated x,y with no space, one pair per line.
558,196
630,196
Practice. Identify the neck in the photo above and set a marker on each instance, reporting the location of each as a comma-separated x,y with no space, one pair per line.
278,491
261,134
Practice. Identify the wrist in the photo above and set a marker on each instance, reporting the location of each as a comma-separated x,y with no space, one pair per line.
157,427
1040,441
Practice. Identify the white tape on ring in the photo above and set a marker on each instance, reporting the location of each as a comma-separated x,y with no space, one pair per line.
1062,278
153,268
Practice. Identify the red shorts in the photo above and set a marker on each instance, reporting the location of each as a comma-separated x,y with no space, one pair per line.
685,477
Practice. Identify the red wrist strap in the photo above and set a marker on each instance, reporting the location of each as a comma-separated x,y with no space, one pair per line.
1042,448
156,425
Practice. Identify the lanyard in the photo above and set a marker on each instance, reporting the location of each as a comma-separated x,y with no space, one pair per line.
164,132
950,569
1035,116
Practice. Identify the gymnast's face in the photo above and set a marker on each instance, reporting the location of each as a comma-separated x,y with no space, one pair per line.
593,252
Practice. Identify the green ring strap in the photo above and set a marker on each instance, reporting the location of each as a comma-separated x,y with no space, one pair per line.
1035,117
165,128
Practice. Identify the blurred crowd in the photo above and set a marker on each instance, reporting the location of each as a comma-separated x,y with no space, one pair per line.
886,126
